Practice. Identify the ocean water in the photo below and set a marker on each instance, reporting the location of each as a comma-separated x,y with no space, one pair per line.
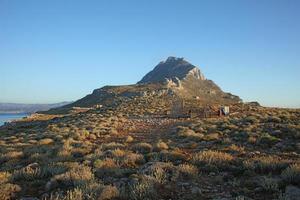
9,117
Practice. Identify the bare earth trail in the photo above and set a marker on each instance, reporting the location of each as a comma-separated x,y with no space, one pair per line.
154,129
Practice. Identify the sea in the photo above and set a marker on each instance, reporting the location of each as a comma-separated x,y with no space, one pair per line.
9,117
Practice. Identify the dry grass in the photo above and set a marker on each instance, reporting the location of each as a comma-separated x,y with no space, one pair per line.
9,191
4,177
212,136
108,193
129,139
185,132
107,167
266,164
101,155
112,146
143,189
187,171
142,147
233,148
159,146
77,175
215,158
46,141
133,160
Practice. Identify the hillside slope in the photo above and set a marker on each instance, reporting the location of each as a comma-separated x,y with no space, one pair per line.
171,79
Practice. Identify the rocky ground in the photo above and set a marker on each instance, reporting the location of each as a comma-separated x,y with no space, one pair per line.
252,154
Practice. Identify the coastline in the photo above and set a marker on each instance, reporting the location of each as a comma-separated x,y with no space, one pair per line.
10,117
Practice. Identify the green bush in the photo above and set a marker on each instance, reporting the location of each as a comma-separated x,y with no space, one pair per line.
266,164
291,175
142,147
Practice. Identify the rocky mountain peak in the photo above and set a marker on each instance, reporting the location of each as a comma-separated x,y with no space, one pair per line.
174,77
172,68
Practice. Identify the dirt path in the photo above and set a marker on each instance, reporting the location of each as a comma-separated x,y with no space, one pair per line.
152,130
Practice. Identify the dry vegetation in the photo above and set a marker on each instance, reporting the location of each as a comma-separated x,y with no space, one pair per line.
253,154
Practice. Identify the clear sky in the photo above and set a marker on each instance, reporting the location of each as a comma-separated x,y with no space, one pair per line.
60,50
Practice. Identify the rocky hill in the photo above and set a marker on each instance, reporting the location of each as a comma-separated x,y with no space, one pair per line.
125,150
171,79
172,69
188,82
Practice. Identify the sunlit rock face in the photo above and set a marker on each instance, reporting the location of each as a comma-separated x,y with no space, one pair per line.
172,69
186,81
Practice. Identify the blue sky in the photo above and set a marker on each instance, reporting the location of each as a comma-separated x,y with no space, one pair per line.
60,50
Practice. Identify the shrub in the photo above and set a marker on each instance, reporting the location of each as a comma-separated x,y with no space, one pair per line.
84,133
274,119
252,140
268,184
32,141
75,194
28,174
173,156
265,164
159,171
212,136
4,177
267,139
143,189
251,119
66,148
109,192
185,132
34,171
76,176
129,139
114,131
118,153
241,136
107,167
161,146
92,189
216,158
142,147
9,191
187,171
292,174
133,160
112,146
106,163
45,141
55,169
236,149
92,137
13,155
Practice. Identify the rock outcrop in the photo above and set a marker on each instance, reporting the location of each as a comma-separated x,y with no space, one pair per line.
172,68
187,81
